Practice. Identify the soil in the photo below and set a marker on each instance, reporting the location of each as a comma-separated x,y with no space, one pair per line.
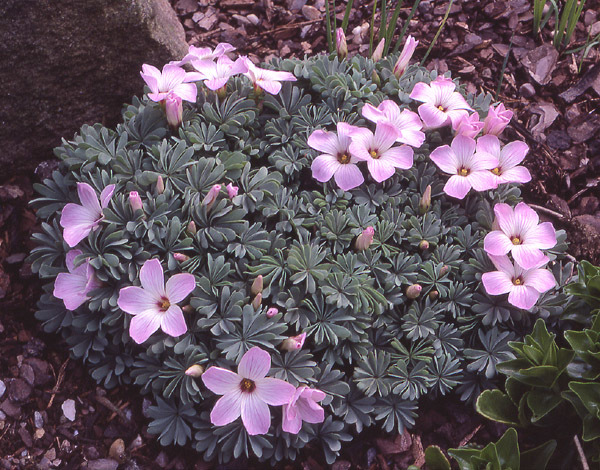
53,415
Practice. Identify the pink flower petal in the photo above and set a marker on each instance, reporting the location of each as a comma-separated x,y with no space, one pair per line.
528,256
525,218
88,197
489,144
432,116
541,280
399,157
172,321
457,186
310,411
255,364
543,236
70,288
523,297
324,167
348,177
274,391
186,91
324,141
106,195
227,409
380,170
504,264
255,414
422,92
143,325
497,243
70,259
497,283
292,422
445,159
152,277
269,86
464,149
172,75
456,115
221,381
518,174
385,136
372,113
216,83
482,180
135,300
179,286
505,218
513,153
78,222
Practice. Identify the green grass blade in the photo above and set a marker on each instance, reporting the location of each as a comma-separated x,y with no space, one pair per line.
504,63
439,31
538,9
405,27
383,22
392,27
564,17
573,19
328,27
347,14
372,29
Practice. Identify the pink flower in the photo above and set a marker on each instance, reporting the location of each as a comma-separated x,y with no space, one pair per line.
247,393
171,80
271,312
376,149
497,120
378,52
303,407
268,80
407,52
293,343
341,44
469,170
335,161
79,220
153,304
508,157
406,122
73,287
174,110
135,201
469,126
205,53
216,74
211,197
232,191
520,234
524,286
441,104
364,240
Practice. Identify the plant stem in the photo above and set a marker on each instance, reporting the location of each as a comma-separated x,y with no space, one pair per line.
439,31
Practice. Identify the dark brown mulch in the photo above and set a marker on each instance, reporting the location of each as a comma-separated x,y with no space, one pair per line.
559,119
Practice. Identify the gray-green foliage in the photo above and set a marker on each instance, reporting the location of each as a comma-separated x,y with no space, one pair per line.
377,354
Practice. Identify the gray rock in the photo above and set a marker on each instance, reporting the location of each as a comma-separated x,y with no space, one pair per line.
38,420
19,390
2,388
102,464
540,63
68,408
72,62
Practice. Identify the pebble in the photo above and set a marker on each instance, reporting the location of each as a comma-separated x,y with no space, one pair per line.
527,90
253,19
68,408
117,451
38,420
102,464
2,388
310,13
12,410
19,390
161,459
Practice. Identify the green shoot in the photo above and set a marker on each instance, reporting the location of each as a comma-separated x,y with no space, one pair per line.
439,31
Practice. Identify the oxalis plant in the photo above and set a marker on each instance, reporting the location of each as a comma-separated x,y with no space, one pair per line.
283,257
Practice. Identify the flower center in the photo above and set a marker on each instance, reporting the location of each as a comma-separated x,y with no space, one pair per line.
343,158
247,385
164,304
496,171
516,241
463,172
373,154
441,108
518,281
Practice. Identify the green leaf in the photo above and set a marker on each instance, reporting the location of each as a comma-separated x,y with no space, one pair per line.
435,459
542,402
495,405
538,457
507,449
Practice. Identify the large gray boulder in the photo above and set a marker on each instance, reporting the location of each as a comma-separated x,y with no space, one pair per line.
64,63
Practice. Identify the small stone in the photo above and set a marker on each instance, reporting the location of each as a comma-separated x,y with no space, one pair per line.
527,90
584,127
137,442
161,459
145,405
68,408
19,390
25,436
558,140
310,13
102,464
12,410
50,454
253,19
39,433
26,373
2,388
2,415
117,450
296,5
595,29
38,420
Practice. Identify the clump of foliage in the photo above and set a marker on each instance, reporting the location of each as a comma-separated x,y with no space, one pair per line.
387,328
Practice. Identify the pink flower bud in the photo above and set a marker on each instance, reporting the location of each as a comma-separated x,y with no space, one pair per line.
444,270
211,197
160,185
425,202
378,52
194,371
187,309
407,52
272,312
191,228
497,120
180,257
257,285
424,245
469,126
135,201
341,45
232,191
434,294
293,343
365,239
413,291
257,301
174,110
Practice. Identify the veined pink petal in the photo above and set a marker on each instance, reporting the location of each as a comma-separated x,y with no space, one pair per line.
504,264
372,113
523,297
324,167
489,144
497,243
348,177
172,321
216,83
482,180
255,414
413,138
422,92
505,218
541,280
179,286
385,136
143,325
106,195
310,411
497,283
274,391
172,75
135,300
186,91
324,141
432,116
543,236
88,198
445,158
399,157
513,153
443,89
78,222
255,364
227,409
221,381
70,259
483,161
528,256
518,174
457,186
380,170
525,218
270,86
464,149
292,422
152,277
70,288
456,115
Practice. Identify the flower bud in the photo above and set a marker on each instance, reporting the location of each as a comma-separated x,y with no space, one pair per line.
424,245
497,120
425,202
211,197
174,110
180,257
341,45
413,291
232,191
378,52
468,125
272,312
191,228
135,201
222,92
257,301
444,270
375,78
195,371
257,285
187,309
160,185
293,343
434,294
365,239
407,52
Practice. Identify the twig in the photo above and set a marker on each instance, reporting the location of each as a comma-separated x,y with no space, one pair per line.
558,215
284,27
115,409
469,436
584,463
60,378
